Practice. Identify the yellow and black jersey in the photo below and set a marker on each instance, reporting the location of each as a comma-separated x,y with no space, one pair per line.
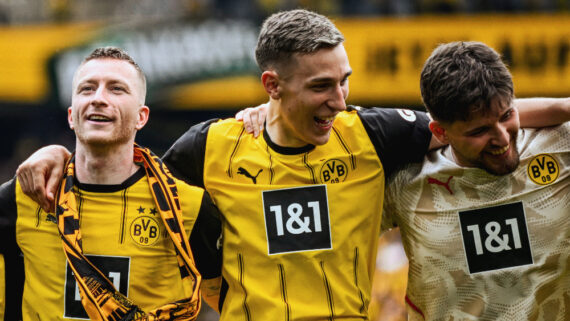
486,247
123,235
300,224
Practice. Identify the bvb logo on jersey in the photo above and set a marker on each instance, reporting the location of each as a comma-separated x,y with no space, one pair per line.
543,169
144,230
334,171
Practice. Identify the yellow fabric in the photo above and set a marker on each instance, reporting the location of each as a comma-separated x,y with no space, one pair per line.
239,170
107,226
98,294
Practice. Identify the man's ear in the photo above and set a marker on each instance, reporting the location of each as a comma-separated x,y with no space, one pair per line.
270,81
144,112
70,118
438,131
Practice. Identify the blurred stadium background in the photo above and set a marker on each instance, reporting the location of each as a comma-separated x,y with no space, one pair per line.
198,58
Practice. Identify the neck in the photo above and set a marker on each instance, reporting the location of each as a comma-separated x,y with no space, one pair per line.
275,127
108,166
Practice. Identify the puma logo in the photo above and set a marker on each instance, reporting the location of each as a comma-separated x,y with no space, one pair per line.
438,182
51,218
245,173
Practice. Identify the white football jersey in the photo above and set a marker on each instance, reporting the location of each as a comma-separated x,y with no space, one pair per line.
485,247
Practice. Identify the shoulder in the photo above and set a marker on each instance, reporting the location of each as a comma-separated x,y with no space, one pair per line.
388,115
226,129
187,190
8,209
8,190
554,139
13,199
198,136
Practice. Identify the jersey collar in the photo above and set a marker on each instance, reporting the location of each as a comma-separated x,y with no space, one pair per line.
100,188
286,150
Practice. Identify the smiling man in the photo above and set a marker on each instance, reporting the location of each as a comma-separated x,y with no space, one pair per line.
301,204
298,245
484,221
477,142
125,222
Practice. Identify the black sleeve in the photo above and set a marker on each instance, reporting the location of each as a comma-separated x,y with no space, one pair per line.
205,239
185,158
399,136
13,259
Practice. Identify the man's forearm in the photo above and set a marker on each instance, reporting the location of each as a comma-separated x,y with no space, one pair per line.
542,112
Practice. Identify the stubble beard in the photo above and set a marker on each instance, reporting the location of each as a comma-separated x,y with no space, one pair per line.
509,165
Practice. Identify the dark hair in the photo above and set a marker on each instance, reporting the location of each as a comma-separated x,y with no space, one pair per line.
294,31
460,79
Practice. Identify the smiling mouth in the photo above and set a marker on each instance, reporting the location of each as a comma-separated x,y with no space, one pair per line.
325,121
499,151
99,118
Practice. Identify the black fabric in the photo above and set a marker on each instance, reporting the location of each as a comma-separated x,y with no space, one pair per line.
13,258
223,292
207,256
286,150
185,158
100,188
387,130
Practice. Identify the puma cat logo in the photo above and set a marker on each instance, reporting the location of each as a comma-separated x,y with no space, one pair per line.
438,182
245,173
51,218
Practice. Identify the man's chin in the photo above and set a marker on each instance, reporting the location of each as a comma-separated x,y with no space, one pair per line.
502,169
320,139
103,141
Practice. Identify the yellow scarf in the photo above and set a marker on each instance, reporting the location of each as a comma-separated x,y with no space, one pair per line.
98,295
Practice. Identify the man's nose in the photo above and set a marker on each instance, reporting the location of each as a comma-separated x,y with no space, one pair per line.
99,98
337,100
501,136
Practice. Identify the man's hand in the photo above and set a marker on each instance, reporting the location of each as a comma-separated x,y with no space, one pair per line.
253,118
40,174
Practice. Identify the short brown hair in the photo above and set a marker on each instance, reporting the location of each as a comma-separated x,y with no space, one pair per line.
460,79
294,31
115,53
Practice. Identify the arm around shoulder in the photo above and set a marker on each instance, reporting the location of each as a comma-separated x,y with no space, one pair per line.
543,112
39,175
400,136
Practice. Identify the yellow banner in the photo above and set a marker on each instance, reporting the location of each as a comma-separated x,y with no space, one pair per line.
24,53
387,55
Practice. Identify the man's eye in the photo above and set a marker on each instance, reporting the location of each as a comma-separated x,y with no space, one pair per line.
85,89
507,115
319,87
477,132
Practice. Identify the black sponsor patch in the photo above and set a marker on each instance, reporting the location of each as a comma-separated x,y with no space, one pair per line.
297,219
495,237
115,268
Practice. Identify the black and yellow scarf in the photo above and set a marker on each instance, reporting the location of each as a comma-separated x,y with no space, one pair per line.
98,295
